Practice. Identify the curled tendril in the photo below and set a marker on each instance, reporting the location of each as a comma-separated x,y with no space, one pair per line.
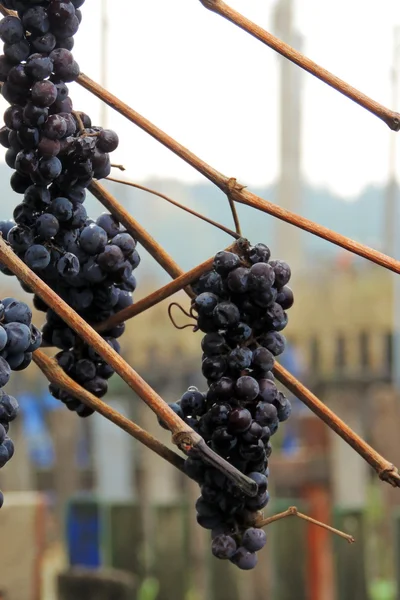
187,314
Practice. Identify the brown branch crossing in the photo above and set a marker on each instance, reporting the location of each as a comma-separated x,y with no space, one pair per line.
231,187
386,471
390,117
56,375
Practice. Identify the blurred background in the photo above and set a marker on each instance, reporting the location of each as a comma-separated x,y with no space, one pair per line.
81,496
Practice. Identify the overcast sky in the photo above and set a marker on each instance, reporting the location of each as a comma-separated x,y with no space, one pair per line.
214,88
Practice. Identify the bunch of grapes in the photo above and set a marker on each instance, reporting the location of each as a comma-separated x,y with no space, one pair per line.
18,339
56,153
241,307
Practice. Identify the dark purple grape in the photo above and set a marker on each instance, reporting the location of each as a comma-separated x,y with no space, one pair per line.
239,420
36,20
110,259
205,303
226,314
18,338
93,239
17,52
44,93
37,257
109,224
266,413
38,66
226,261
11,30
259,253
55,127
107,140
282,272
285,297
254,539
223,546
213,344
18,77
247,388
18,312
43,44
237,280
244,559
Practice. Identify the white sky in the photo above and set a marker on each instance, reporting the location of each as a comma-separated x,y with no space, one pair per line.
214,88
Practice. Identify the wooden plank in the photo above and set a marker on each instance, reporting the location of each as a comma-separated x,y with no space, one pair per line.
350,558
288,547
170,560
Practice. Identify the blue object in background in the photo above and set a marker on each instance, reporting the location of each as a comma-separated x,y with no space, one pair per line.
83,532
39,442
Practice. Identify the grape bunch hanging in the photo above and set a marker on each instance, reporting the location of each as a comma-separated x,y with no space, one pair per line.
241,307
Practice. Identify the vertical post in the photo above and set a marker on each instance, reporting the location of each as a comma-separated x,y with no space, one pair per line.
289,239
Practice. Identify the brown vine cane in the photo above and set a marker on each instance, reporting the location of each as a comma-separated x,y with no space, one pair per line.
183,435
230,186
390,117
56,375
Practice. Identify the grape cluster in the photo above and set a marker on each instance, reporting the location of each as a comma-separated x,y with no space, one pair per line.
18,339
96,278
241,307
56,153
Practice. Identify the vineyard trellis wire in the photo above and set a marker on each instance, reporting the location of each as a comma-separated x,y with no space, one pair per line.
183,436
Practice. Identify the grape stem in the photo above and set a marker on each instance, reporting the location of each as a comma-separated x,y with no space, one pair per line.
386,471
390,117
293,512
120,167
183,436
58,377
159,295
231,187
175,203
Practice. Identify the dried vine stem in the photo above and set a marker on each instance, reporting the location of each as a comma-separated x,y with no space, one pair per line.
178,204
56,375
293,512
183,435
386,471
159,295
390,117
232,188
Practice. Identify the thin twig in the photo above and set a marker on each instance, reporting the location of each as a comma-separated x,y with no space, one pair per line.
386,471
120,167
182,435
237,191
236,235
390,117
232,204
56,375
77,115
139,232
293,512
159,295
